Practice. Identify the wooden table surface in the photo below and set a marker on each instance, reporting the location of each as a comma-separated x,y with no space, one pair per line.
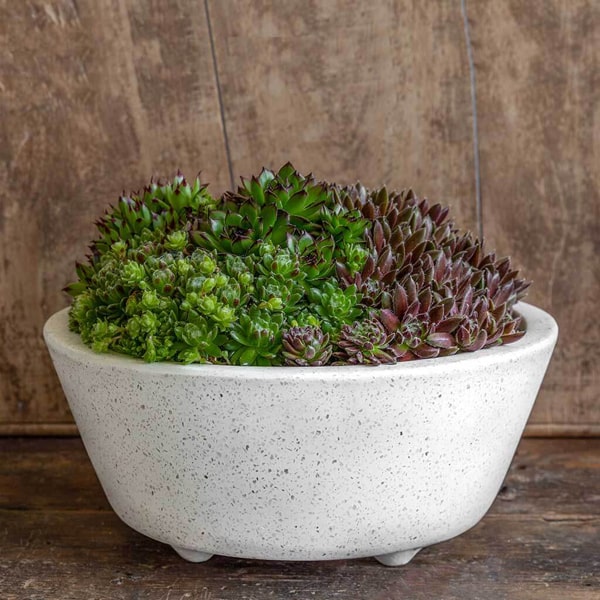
60,540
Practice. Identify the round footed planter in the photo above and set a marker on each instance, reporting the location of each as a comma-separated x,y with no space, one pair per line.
291,463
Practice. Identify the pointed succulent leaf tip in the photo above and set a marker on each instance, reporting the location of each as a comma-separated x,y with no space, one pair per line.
289,270
265,177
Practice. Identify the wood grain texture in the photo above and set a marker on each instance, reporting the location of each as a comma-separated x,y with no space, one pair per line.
350,89
538,84
564,430
539,541
66,429
94,97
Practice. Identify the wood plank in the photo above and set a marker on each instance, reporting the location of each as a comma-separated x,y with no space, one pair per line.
538,66
95,98
38,429
550,478
90,555
340,89
562,430
59,467
65,542
349,89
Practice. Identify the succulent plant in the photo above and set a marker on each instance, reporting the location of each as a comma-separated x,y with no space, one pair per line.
306,346
334,305
256,338
263,210
289,270
366,342
160,207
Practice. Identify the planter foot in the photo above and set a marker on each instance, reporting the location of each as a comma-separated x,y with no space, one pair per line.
396,559
192,555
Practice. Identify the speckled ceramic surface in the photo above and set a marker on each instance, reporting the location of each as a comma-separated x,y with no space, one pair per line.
303,463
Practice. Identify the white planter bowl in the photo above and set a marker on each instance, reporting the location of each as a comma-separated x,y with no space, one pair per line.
310,463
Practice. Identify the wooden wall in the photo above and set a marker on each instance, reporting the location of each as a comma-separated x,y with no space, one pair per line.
97,96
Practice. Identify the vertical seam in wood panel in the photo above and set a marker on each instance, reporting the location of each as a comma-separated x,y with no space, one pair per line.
219,94
472,82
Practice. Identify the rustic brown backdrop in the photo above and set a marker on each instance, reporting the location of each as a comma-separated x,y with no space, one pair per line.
491,106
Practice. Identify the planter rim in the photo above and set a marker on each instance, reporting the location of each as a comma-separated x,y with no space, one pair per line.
541,330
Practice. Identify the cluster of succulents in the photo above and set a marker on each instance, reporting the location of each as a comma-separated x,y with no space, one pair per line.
288,270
